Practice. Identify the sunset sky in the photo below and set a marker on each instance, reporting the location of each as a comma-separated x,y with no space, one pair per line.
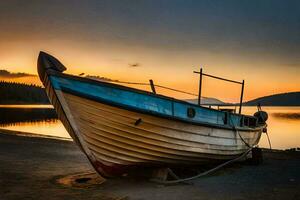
257,40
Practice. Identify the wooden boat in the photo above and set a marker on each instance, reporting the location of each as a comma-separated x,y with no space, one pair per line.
121,128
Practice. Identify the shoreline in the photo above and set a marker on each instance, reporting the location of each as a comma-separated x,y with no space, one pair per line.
31,167
32,135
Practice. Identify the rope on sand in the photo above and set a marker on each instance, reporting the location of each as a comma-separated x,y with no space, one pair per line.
203,173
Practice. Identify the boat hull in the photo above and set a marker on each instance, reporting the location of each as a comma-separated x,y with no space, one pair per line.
114,143
117,139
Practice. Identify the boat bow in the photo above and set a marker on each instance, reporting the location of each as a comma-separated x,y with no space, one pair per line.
47,63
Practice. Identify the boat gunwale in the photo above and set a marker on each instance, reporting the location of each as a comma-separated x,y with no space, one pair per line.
122,87
152,113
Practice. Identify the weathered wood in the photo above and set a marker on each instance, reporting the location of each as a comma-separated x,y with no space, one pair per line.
155,125
111,136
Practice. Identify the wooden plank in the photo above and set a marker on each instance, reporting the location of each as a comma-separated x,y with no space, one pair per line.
151,121
170,132
157,145
110,135
131,129
90,115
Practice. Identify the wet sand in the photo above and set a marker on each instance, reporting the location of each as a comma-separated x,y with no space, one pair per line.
30,168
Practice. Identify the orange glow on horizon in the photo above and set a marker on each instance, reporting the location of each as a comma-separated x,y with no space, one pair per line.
169,41
169,70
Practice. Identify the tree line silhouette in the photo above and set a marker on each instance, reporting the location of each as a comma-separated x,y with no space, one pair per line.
17,115
21,93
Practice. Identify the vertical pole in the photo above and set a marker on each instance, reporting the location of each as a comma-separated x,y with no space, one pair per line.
242,94
152,86
200,87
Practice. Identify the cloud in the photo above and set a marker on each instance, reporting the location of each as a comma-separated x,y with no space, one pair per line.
6,74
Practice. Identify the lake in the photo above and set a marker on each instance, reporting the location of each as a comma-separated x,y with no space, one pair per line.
283,123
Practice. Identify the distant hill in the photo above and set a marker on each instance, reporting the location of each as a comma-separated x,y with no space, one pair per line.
206,100
19,93
284,99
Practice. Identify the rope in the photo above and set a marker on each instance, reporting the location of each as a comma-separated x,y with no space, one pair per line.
234,128
159,86
268,140
164,87
126,82
241,137
203,173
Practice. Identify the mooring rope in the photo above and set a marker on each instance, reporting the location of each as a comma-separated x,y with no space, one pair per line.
164,87
268,139
126,82
235,129
203,173
148,84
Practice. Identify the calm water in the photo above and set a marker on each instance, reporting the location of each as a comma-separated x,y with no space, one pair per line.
283,123
283,126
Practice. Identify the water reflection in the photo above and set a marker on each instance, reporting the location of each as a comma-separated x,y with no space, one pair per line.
45,127
283,128
283,123
291,116
26,106
38,119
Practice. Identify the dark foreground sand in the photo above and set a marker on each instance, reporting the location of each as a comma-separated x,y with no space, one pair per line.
30,168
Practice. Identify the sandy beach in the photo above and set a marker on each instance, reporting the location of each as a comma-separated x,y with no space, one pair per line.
31,167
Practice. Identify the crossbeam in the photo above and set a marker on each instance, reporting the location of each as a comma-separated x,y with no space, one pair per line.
220,78
223,79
